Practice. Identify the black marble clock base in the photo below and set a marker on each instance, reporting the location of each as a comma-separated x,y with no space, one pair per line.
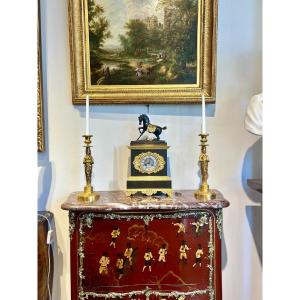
149,168
149,185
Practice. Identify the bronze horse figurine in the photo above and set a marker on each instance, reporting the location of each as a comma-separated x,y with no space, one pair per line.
147,126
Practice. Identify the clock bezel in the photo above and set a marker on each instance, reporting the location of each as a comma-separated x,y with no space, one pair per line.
137,162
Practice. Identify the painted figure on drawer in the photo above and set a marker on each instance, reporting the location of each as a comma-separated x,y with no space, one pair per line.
198,256
128,254
120,265
181,228
114,235
104,262
200,224
162,253
148,257
182,251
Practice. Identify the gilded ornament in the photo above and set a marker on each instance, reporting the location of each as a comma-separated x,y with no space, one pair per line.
219,221
149,192
204,193
149,162
40,110
88,194
71,223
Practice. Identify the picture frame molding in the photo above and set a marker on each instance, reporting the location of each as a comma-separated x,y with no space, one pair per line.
143,94
40,108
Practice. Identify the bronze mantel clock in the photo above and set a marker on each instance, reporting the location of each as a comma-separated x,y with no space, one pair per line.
149,162
149,168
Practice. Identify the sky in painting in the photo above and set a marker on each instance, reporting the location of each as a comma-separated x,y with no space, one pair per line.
118,12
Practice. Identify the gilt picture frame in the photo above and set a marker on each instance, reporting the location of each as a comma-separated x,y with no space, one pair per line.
40,111
143,52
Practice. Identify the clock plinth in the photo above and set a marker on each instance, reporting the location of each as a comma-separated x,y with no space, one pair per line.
149,168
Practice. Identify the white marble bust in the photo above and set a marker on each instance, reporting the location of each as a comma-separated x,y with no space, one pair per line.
254,116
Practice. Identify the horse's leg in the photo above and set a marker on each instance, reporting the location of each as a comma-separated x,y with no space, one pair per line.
157,133
141,135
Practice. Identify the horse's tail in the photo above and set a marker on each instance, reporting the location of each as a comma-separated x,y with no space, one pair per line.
164,128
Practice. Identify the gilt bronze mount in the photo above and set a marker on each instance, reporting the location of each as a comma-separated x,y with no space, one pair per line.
204,193
88,194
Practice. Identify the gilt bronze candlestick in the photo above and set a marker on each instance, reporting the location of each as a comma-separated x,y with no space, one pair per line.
204,193
88,194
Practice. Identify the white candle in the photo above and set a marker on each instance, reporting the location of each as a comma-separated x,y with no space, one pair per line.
87,115
203,115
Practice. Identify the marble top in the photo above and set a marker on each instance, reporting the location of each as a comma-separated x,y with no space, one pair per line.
118,201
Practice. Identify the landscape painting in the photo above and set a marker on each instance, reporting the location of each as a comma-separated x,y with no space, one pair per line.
143,42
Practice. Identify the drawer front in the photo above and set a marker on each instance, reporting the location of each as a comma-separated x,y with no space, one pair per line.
146,255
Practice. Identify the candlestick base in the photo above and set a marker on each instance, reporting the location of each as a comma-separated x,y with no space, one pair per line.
204,193
88,195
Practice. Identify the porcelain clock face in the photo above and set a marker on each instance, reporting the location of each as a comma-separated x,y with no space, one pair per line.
149,162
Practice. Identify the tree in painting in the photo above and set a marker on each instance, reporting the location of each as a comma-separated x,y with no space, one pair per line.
154,43
98,33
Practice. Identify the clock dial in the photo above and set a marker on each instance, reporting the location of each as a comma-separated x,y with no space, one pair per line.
149,162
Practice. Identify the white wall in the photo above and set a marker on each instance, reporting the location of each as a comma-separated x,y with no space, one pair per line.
235,154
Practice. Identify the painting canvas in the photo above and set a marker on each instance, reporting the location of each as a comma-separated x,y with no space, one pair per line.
143,42
143,51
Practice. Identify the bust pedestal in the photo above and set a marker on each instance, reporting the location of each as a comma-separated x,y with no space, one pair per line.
146,247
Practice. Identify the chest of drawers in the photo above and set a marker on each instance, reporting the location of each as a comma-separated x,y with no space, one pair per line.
146,247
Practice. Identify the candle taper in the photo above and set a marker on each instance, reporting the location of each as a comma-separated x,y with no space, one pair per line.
87,115
203,115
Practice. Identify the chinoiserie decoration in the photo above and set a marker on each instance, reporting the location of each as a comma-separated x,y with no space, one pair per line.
148,257
88,195
104,262
149,162
182,251
181,228
162,253
114,235
204,193
147,249
199,253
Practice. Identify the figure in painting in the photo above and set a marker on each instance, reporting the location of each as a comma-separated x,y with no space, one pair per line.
182,251
162,253
139,70
181,228
114,235
198,255
148,257
120,265
104,262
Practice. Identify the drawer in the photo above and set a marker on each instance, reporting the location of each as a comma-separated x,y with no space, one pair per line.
146,255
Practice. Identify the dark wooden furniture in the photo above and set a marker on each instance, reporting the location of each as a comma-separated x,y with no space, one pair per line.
111,242
45,255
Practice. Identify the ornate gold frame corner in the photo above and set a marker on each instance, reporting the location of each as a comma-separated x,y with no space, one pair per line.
146,94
